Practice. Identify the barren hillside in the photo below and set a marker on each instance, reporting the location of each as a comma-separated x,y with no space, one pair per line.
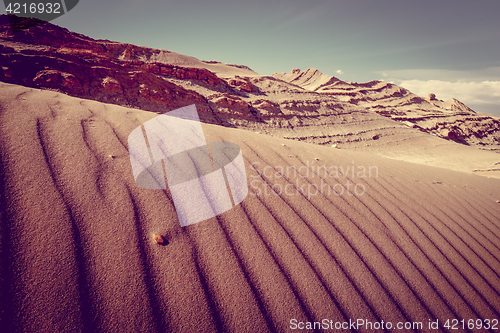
309,106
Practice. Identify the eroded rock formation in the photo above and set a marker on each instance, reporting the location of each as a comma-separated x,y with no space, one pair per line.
304,105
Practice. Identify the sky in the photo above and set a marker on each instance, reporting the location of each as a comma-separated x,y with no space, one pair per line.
447,47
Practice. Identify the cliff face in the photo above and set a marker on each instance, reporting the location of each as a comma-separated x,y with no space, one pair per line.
304,105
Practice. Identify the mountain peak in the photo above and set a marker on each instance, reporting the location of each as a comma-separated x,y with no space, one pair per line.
310,79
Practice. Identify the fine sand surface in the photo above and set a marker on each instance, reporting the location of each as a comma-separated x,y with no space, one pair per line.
413,243
430,150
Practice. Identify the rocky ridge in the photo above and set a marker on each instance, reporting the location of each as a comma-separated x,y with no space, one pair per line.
302,105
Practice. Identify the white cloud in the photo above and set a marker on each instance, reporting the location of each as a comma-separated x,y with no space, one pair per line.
486,92
339,72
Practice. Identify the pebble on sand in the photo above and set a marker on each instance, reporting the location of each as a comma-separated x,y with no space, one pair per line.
158,239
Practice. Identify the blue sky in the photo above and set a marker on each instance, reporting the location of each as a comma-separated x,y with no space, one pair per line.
447,47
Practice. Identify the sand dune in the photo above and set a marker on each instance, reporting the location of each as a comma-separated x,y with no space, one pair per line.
407,243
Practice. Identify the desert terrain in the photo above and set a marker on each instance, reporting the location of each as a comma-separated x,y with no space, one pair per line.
366,203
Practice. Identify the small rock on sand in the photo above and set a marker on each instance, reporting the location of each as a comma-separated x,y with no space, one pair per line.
158,239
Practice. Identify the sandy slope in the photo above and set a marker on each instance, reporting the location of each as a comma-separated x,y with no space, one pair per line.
417,243
173,58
